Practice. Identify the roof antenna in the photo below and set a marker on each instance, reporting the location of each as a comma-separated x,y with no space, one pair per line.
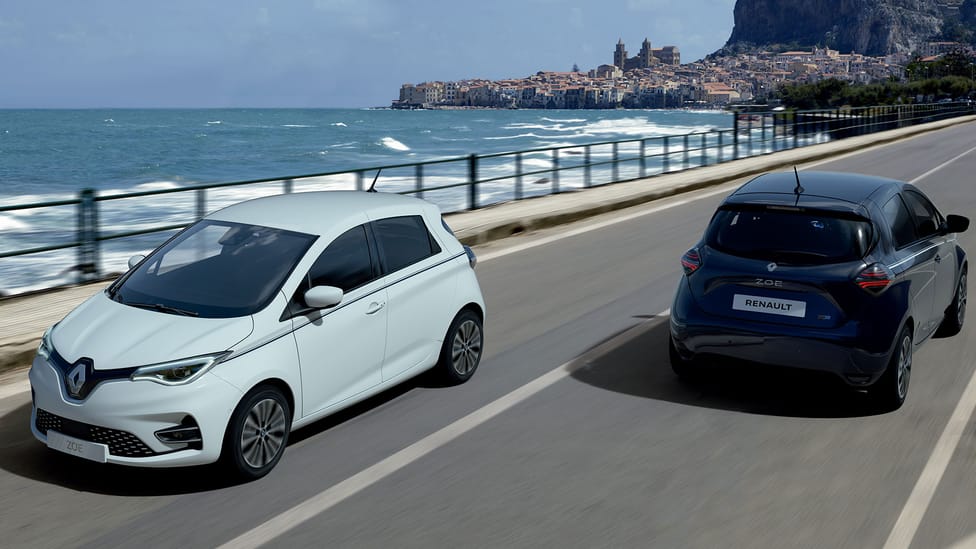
799,188
371,188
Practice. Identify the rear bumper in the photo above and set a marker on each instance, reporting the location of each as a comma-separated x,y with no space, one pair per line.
835,351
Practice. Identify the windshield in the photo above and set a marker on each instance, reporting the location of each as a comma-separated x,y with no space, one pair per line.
214,269
791,237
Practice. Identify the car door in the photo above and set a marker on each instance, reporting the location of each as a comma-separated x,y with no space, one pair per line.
420,294
914,260
341,348
928,224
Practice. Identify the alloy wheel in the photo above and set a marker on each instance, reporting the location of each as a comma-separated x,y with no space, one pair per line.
904,371
466,347
263,434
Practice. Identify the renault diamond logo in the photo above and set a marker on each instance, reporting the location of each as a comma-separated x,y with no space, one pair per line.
76,379
771,267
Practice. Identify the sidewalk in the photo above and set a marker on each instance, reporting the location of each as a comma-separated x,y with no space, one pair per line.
23,319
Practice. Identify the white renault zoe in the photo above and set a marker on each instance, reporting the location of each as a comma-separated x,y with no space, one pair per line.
260,318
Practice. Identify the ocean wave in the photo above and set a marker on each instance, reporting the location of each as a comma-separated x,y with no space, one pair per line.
214,122
563,119
339,124
296,126
391,143
9,223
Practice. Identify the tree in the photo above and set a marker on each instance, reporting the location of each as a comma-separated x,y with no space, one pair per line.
575,67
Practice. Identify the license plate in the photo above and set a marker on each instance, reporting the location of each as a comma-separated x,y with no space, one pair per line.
77,447
769,305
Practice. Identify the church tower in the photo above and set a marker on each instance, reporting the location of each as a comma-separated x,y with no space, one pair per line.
646,57
620,55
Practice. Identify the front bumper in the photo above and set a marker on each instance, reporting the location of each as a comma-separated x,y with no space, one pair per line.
835,350
125,415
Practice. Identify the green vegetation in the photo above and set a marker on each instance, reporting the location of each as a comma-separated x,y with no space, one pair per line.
952,76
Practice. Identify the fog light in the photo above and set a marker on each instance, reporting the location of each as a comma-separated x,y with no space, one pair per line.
187,432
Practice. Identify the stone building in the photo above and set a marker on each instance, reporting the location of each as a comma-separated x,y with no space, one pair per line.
646,58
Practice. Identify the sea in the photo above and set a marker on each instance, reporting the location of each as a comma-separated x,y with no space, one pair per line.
50,155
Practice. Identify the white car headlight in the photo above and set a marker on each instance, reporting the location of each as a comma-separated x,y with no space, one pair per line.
45,349
179,372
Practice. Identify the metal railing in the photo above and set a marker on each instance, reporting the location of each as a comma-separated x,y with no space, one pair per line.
475,181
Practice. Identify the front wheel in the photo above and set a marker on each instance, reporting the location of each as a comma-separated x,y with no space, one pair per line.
461,352
891,389
257,433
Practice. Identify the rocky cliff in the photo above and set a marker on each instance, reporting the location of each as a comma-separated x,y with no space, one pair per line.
871,27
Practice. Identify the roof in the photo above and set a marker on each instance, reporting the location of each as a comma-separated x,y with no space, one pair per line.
319,212
778,188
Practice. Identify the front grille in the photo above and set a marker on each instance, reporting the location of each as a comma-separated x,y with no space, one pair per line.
120,443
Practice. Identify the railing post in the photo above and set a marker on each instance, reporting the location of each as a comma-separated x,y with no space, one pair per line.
687,153
88,253
287,186
616,163
586,167
419,180
643,160
735,135
751,149
518,176
704,150
473,182
666,164
555,171
360,183
721,145
201,203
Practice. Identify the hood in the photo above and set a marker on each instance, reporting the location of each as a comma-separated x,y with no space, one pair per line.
115,336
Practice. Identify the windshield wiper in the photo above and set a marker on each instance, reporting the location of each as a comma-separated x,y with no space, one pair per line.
163,308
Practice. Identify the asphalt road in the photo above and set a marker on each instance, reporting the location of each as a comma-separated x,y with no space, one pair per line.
608,449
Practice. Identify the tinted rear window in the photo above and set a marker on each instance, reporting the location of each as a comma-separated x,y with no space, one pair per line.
791,237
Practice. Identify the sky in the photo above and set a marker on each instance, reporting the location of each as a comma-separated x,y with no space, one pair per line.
317,53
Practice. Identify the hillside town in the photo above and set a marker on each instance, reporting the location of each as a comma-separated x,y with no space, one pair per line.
655,78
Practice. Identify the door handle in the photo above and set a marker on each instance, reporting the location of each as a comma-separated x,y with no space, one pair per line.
938,258
374,307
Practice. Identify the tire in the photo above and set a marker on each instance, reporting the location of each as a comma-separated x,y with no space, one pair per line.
891,389
462,349
955,315
682,367
257,433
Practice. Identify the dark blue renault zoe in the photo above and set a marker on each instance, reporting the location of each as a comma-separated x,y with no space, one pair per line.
835,272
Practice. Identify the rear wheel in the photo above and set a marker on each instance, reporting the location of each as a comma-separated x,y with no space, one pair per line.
257,433
956,313
462,348
891,390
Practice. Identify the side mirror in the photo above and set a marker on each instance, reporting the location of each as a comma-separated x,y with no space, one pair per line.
322,297
134,260
956,223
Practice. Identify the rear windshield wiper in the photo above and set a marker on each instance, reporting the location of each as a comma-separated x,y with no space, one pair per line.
163,308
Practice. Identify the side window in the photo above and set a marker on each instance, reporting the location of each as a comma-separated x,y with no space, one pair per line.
345,263
926,216
902,225
404,241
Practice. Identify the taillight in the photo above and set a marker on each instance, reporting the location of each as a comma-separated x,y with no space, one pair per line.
691,261
874,278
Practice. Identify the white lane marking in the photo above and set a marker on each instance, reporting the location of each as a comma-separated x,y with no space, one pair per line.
330,497
918,502
942,165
